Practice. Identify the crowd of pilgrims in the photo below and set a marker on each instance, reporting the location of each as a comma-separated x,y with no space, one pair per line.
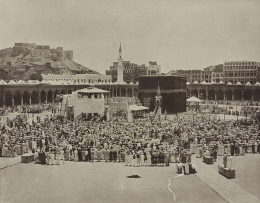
36,108
232,103
144,142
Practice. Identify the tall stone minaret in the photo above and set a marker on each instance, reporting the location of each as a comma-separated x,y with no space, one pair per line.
120,67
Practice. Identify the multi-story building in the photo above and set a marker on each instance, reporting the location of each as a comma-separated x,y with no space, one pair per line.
153,68
195,75
240,71
233,71
131,71
258,74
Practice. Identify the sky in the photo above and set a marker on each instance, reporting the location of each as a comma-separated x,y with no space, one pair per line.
176,34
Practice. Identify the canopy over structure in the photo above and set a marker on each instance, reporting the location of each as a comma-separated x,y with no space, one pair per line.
193,99
137,108
92,90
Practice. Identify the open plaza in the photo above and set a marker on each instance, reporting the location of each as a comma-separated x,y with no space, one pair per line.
75,179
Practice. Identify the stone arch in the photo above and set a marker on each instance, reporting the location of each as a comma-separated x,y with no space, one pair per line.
8,98
34,97
202,94
220,94
135,92
49,96
123,92
194,93
17,98
70,91
56,92
237,94
229,94
26,98
211,94
256,95
248,95
129,92
188,94
1,100
43,96
63,92
118,92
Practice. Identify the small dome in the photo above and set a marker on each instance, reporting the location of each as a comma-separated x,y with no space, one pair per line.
248,84
195,82
257,84
238,83
203,83
212,82
12,82
221,82
2,82
137,83
131,83
44,82
229,83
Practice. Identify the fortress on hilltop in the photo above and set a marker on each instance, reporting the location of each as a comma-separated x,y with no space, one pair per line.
42,51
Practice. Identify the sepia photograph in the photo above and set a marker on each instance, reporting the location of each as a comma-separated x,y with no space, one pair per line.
122,101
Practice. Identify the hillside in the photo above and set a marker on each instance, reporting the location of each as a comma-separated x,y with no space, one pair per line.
8,58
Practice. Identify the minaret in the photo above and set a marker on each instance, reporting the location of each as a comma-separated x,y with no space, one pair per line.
120,67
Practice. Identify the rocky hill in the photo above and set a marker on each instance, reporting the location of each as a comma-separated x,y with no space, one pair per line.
8,58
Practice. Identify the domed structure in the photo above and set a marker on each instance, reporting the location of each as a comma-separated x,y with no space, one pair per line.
187,83
248,84
12,82
2,82
195,82
238,83
229,83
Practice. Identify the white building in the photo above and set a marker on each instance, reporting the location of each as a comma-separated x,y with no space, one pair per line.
153,68
78,78
90,100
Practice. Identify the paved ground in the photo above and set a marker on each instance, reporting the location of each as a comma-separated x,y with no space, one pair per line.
226,188
99,182
7,161
247,172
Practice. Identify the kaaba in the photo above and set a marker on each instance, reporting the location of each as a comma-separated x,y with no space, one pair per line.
172,89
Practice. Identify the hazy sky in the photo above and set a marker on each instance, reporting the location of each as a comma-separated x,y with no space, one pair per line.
177,34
